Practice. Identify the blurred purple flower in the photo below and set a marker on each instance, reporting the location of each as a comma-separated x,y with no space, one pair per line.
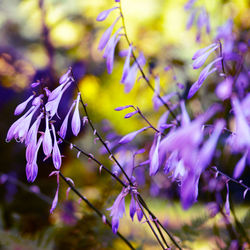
203,75
129,137
106,35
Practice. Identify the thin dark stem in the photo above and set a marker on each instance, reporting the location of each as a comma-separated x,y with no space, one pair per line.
100,138
222,60
146,120
148,222
141,70
238,225
98,212
155,218
116,161
231,179
90,156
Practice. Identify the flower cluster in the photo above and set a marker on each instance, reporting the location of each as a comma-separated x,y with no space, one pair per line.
44,107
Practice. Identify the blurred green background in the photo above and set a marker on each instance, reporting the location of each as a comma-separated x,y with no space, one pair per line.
40,40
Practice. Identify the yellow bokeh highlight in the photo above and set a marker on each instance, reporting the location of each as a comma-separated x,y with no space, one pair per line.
66,34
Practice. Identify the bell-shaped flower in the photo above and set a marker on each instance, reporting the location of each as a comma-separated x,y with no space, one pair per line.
21,107
55,200
64,126
190,134
37,100
31,166
117,210
126,66
224,89
207,150
22,130
129,137
76,120
201,55
189,4
203,75
47,141
191,19
14,127
106,35
154,155
240,166
56,155
241,139
66,77
164,99
132,207
31,137
129,81
104,14
189,189
185,120
110,50
56,92
54,99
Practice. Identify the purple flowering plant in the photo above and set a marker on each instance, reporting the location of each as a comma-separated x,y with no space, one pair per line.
183,148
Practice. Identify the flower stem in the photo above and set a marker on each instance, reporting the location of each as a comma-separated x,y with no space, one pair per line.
98,212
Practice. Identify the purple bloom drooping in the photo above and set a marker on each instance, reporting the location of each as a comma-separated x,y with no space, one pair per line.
47,141
129,137
126,66
76,120
104,14
154,155
64,126
201,55
106,35
55,200
203,75
21,107
117,210
56,155
31,166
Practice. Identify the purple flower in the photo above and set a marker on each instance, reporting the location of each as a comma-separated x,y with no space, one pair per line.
66,77
31,166
132,207
240,166
64,126
55,97
241,139
224,89
185,120
55,200
104,14
56,155
106,35
154,155
76,120
117,210
129,137
21,107
201,55
47,141
31,137
129,81
203,75
126,66
189,4
110,51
